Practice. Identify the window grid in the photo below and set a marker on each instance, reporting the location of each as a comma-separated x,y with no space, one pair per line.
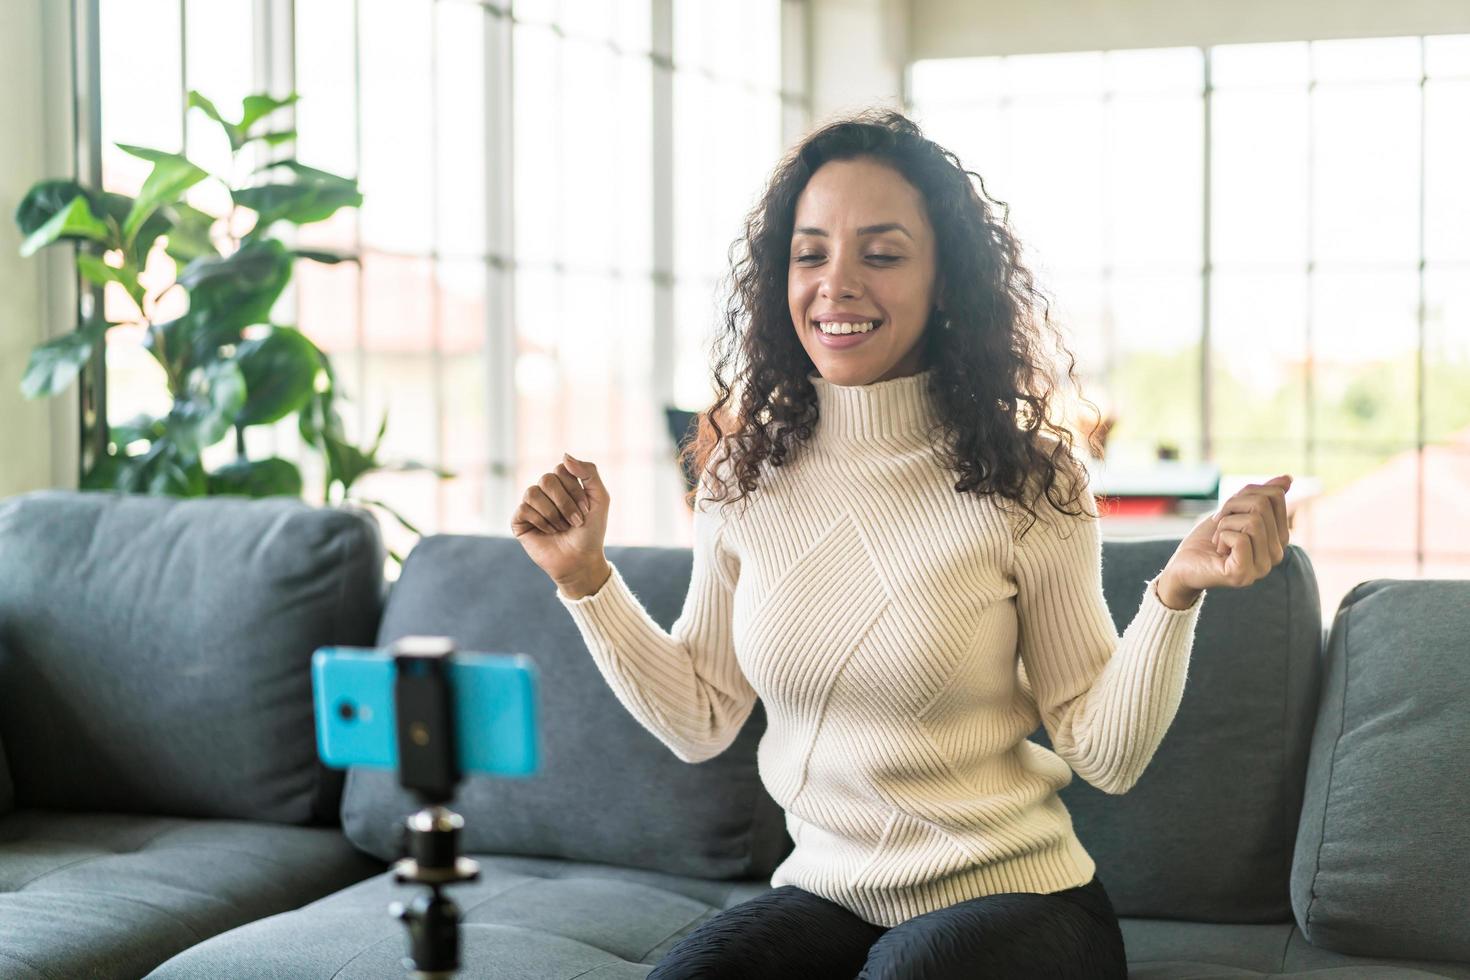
1314,443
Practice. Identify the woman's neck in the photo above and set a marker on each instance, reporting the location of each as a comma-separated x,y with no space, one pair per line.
899,408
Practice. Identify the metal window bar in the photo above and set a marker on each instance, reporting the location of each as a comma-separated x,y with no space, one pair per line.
92,434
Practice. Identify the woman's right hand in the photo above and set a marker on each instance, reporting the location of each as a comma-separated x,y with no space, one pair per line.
562,523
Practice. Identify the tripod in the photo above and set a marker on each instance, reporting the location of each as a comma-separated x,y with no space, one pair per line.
428,767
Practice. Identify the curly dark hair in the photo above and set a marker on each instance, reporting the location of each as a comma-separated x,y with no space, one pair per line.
990,384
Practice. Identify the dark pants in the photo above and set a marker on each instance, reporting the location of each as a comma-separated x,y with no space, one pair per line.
789,932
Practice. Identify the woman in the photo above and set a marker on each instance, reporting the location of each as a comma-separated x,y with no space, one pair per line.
880,589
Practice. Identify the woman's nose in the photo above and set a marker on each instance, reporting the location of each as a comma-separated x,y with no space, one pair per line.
842,279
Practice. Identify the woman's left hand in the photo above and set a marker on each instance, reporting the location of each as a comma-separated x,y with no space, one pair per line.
1237,545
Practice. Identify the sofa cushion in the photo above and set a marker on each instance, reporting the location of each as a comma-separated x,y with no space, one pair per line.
113,895
1383,853
1164,949
155,652
607,790
1207,832
541,919
528,918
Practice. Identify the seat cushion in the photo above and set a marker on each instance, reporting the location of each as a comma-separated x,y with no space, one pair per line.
525,918
537,919
155,652
1206,834
1383,853
113,895
607,790
1163,949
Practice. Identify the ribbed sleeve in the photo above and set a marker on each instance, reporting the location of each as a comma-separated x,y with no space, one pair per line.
1105,701
683,685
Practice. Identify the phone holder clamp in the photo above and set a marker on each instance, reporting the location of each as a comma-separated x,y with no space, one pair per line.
428,767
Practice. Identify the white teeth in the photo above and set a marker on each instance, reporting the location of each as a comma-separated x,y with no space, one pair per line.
842,328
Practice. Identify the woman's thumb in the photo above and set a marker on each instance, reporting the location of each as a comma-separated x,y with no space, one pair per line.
584,471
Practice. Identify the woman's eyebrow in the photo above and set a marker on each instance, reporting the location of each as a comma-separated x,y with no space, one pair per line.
867,230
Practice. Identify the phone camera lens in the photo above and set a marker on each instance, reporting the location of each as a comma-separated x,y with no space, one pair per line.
346,710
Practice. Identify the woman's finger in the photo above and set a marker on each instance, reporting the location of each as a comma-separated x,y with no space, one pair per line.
1260,531
1240,562
574,487
1283,522
567,508
527,516
1267,544
1255,499
537,499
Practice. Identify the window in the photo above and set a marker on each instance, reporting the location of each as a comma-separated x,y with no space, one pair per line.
514,159
1290,337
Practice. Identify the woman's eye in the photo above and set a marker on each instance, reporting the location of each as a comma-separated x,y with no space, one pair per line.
884,258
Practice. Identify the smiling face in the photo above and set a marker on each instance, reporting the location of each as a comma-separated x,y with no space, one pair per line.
862,250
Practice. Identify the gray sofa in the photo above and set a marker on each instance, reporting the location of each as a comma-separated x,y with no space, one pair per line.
163,813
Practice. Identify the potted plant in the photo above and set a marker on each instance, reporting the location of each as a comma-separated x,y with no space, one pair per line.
227,365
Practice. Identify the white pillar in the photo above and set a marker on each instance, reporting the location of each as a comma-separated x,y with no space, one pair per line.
859,49
38,439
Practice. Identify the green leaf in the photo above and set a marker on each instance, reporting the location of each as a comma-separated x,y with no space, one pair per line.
313,196
213,397
162,469
140,427
396,515
172,175
280,375
198,101
146,152
324,257
308,175
412,466
257,107
93,269
188,233
180,344
240,289
73,221
175,476
252,109
105,473
113,209
232,131
347,462
55,364
256,478
45,199
299,204
275,138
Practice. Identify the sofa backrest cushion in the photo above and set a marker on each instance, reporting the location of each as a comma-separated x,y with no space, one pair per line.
1207,831
1383,850
607,791
155,652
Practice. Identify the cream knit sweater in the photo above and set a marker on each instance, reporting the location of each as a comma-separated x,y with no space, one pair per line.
904,645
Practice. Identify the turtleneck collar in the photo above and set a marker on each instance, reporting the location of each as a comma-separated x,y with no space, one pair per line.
897,408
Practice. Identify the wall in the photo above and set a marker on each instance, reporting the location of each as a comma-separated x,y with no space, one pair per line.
38,439
857,55
967,28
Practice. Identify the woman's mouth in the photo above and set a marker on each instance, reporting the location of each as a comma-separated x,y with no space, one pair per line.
856,333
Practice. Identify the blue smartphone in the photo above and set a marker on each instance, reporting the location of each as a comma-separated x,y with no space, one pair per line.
494,696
